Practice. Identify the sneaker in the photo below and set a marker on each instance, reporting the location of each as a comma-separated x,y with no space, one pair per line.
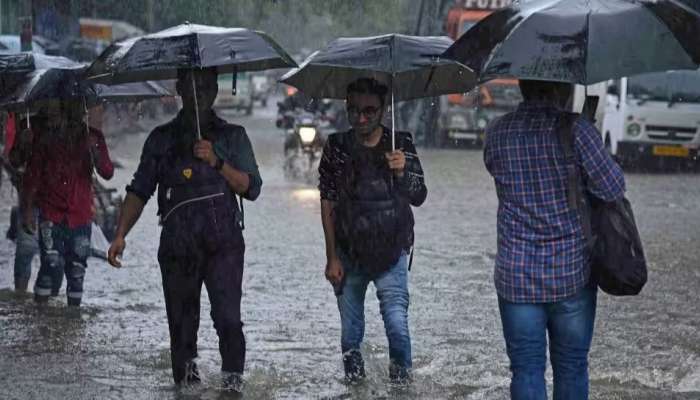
191,374
354,366
399,375
233,382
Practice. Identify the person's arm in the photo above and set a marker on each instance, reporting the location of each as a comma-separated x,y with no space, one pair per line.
605,178
409,172
131,210
334,268
138,193
328,169
30,186
239,167
21,150
100,155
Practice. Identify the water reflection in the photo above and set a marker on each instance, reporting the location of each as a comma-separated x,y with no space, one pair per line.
306,197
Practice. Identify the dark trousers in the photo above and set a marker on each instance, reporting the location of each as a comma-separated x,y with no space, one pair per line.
222,273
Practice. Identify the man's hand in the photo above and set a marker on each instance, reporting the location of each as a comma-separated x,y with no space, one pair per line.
115,251
204,150
334,271
397,162
29,221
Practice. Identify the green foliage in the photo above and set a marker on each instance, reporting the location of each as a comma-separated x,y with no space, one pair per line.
296,24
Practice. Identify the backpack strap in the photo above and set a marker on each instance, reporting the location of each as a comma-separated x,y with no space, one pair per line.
574,189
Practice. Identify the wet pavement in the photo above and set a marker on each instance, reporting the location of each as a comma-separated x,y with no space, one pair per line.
646,347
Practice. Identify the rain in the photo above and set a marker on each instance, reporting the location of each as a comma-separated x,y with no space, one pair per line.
282,68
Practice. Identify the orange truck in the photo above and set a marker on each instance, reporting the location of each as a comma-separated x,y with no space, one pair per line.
464,116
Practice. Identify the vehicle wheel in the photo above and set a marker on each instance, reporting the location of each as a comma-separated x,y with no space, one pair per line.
608,144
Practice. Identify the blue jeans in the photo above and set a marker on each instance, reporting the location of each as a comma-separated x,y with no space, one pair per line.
569,324
392,292
63,249
26,247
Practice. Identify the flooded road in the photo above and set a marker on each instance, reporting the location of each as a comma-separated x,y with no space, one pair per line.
647,347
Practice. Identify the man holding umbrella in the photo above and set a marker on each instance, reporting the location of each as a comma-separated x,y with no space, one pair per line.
367,191
201,241
199,163
370,176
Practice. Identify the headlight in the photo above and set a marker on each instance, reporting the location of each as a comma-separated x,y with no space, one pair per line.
307,134
482,123
458,121
634,129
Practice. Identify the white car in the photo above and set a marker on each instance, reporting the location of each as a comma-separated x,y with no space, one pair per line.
10,44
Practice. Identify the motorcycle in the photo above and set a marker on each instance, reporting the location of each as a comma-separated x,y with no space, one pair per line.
303,145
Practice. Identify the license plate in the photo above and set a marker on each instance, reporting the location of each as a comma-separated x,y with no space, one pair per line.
671,151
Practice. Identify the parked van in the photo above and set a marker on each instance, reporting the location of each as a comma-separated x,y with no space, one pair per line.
653,116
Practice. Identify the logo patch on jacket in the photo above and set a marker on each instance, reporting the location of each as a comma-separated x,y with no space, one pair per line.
187,172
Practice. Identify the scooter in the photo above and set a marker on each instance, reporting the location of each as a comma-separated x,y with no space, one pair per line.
303,146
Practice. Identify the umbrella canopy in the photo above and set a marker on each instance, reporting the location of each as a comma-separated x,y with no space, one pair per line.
409,65
21,63
581,41
160,55
14,66
66,84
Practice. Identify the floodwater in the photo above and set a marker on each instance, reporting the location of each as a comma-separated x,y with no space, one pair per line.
116,347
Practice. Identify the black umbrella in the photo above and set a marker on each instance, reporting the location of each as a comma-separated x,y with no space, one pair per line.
160,55
582,41
409,65
69,84
20,63
14,66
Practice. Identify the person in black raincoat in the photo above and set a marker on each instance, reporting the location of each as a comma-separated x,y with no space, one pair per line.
201,240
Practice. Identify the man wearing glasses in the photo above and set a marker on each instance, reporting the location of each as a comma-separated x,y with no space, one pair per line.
367,191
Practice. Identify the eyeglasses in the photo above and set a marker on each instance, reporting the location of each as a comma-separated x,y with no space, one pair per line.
369,112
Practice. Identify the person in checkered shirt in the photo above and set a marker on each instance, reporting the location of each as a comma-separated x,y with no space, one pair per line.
542,272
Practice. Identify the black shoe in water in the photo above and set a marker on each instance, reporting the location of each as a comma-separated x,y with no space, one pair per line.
354,366
233,382
192,376
399,375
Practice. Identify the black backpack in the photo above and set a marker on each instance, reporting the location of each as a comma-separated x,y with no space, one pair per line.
373,232
618,265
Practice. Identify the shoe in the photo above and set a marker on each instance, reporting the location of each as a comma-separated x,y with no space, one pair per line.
192,376
233,382
354,366
399,375
21,285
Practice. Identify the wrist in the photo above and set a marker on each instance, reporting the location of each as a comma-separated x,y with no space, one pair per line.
218,164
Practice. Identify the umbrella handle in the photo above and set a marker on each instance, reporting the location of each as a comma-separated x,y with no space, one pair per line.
393,121
29,124
196,107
